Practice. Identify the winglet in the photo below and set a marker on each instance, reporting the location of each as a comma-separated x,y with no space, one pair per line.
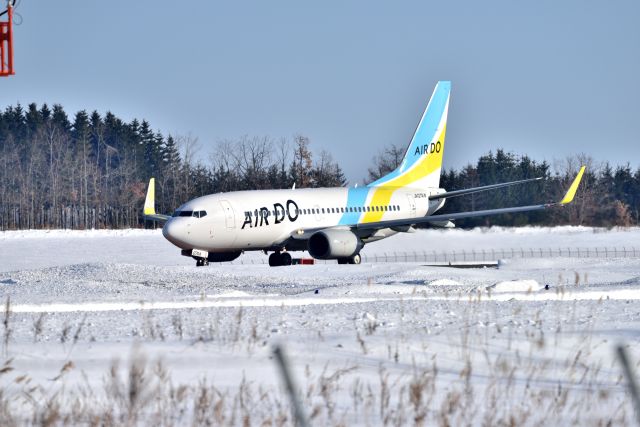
568,198
150,201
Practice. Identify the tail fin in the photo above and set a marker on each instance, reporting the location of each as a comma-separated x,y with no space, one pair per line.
422,162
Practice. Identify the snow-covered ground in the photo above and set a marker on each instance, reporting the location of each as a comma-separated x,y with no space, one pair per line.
117,325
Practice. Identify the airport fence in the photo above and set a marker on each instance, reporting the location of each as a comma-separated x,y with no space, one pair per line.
481,255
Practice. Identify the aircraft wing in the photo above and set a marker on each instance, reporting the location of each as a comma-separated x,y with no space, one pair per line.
406,222
150,204
478,189
568,198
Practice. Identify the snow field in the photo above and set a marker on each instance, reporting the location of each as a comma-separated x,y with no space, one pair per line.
95,317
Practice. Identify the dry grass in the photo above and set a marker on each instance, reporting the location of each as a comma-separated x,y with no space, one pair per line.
501,369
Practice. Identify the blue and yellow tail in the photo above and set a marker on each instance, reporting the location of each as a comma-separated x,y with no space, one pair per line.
422,162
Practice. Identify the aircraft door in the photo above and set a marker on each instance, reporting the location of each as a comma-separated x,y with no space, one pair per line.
412,205
228,214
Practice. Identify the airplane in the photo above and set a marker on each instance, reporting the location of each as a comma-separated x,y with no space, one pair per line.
331,223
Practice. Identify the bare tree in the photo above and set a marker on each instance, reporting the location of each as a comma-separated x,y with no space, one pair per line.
386,161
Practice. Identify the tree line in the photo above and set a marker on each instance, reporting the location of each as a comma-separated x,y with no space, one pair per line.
91,171
606,197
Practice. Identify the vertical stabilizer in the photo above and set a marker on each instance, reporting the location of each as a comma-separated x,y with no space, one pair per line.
422,162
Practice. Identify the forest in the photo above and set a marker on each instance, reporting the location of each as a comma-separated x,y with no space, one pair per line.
91,171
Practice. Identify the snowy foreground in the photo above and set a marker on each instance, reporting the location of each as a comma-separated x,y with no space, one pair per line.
116,327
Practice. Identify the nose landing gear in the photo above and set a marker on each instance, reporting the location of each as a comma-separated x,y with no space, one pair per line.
202,262
278,259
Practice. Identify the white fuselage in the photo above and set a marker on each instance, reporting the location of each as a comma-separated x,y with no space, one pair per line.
266,219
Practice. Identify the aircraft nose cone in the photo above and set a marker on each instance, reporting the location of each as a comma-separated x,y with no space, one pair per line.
172,232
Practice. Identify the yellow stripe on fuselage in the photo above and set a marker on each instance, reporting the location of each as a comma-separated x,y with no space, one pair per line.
426,166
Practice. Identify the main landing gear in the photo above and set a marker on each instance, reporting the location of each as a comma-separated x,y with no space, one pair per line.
201,262
355,259
277,259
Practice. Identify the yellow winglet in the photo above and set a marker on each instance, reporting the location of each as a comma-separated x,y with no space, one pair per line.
568,198
150,201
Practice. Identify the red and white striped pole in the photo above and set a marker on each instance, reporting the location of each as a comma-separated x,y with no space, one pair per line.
6,44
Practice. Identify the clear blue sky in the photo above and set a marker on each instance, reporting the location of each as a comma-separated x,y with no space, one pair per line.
545,78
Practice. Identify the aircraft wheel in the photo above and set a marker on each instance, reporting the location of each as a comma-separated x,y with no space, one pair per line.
356,259
199,262
286,258
343,260
275,260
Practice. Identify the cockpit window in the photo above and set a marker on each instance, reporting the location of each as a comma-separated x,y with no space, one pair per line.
183,213
199,214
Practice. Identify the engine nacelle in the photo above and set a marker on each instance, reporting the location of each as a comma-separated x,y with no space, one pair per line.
332,244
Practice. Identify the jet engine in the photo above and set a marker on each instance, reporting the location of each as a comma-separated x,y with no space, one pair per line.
332,244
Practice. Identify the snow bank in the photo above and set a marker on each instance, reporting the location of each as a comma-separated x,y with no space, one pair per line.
443,282
515,286
57,234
